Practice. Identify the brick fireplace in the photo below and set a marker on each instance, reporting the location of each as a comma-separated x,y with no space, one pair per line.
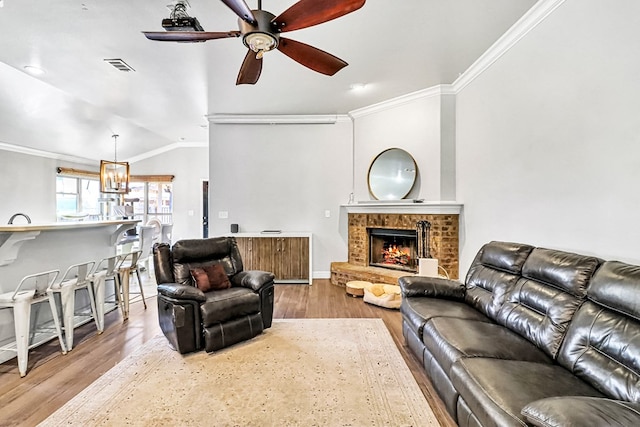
444,241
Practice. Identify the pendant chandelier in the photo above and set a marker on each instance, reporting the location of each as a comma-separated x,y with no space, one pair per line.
114,175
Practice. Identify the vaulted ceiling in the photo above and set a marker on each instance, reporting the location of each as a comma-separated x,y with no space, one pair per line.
393,47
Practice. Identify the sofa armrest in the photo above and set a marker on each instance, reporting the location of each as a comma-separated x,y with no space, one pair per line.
419,286
582,411
185,292
252,279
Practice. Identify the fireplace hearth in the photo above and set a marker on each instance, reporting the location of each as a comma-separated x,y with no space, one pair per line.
395,249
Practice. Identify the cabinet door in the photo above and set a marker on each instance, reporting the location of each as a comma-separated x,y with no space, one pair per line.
286,257
293,258
245,252
263,254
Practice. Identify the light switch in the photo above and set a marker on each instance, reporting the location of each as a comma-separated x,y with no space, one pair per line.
223,214
327,214
190,212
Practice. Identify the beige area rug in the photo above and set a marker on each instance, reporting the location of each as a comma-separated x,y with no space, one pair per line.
300,372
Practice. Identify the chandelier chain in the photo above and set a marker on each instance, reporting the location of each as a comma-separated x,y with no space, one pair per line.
115,147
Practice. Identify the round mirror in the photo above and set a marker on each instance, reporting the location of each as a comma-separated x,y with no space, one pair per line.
392,174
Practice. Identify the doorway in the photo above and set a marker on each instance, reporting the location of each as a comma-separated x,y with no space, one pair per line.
205,209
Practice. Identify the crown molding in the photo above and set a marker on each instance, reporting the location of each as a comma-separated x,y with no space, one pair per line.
277,119
166,148
84,161
521,28
404,99
47,154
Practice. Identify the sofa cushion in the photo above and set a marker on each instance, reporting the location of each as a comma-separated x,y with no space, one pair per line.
417,311
494,271
544,300
497,390
585,411
602,346
191,253
616,286
451,339
228,304
564,270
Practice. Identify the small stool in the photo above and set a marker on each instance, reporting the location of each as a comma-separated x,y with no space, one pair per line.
31,290
129,264
355,288
106,269
76,277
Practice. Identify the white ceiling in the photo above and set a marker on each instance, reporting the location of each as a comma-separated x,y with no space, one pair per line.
394,47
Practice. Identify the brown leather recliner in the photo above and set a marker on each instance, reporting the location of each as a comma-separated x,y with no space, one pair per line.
192,319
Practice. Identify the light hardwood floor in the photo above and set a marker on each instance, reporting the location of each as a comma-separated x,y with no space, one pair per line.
53,378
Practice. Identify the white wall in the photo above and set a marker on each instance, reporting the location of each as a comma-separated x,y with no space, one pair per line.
548,138
190,167
413,126
283,176
424,126
28,185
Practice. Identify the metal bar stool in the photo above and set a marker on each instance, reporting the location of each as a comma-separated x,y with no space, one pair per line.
31,290
106,269
130,264
75,278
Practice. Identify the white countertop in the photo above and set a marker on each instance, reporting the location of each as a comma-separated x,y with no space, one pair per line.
260,234
63,225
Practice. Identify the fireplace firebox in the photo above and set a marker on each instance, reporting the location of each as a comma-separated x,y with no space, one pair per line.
393,248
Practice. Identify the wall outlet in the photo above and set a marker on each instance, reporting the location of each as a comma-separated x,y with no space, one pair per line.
223,215
327,214
190,212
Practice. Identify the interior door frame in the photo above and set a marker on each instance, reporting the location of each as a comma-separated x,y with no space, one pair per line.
204,208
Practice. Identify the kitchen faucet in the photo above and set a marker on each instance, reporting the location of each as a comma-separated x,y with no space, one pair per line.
19,214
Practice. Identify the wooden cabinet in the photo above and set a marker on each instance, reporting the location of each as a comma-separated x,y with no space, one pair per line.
288,258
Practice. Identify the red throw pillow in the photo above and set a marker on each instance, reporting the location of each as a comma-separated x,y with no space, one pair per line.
211,277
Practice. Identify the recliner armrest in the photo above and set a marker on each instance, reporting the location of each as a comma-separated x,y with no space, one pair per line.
419,286
252,279
582,411
177,291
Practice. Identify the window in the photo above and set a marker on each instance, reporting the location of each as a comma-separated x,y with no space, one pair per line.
77,197
154,200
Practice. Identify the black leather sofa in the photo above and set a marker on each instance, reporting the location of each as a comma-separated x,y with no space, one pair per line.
533,337
192,319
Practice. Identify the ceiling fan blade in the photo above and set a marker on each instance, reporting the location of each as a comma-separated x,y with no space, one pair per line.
241,9
311,57
307,13
250,70
189,36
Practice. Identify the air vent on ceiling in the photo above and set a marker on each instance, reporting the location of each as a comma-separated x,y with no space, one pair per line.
120,64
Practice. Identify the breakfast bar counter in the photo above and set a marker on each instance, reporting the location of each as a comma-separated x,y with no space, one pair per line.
32,248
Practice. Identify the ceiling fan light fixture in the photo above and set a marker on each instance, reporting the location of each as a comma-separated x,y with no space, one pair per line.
260,42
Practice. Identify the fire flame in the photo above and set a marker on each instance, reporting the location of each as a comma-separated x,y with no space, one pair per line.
395,254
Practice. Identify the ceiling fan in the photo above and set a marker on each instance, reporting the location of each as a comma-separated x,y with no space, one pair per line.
260,31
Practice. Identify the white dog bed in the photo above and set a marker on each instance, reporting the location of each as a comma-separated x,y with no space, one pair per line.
383,295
